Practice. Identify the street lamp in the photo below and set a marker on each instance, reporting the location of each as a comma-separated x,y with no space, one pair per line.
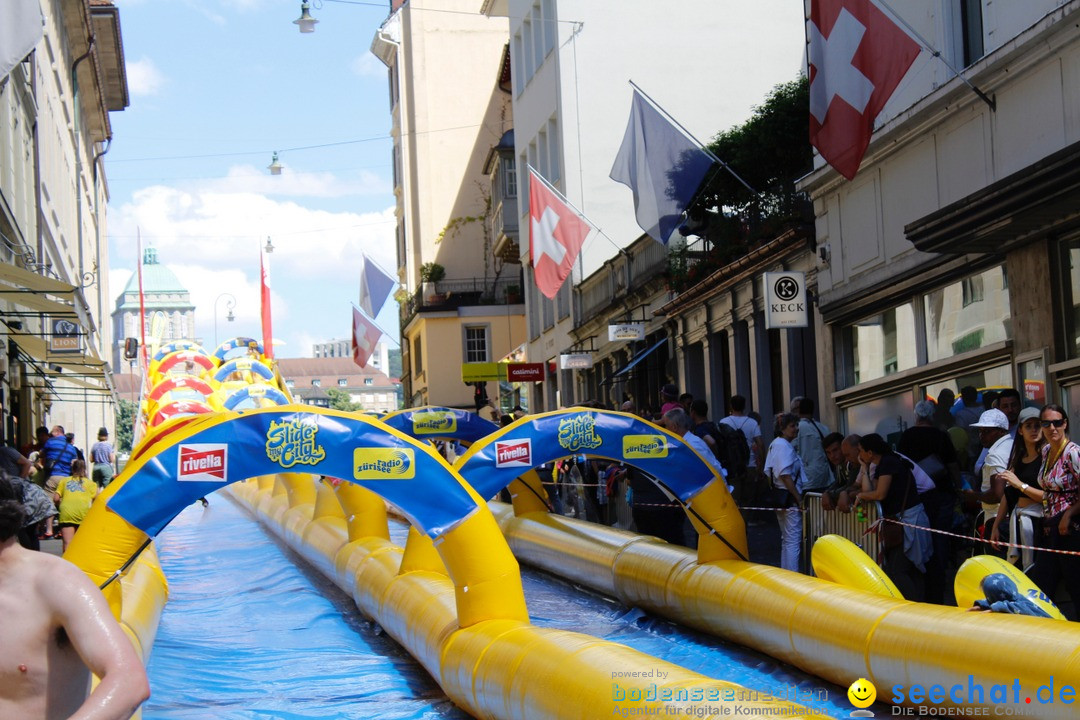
305,22
230,303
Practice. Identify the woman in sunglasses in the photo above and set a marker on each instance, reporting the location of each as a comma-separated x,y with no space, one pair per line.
1019,518
1060,480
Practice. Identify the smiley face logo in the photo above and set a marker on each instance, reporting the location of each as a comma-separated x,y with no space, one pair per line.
862,693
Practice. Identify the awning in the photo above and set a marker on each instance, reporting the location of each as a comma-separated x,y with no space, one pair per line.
633,361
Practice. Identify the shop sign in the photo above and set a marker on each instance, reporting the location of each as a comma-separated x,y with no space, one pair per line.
65,337
626,331
785,300
575,361
525,372
482,372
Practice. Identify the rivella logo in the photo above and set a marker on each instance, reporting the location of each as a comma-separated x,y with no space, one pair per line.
513,453
205,462
434,422
384,464
638,447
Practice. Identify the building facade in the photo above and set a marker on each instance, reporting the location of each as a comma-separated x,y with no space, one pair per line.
572,61
449,109
309,379
951,259
54,295
170,315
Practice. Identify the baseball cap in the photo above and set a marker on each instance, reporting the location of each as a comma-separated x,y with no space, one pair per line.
1028,413
992,418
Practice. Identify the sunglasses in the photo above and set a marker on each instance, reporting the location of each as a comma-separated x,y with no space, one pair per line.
1060,422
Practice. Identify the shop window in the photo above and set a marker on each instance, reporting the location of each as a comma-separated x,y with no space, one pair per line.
880,345
967,315
887,416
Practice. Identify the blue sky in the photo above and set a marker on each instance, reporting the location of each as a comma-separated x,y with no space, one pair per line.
216,86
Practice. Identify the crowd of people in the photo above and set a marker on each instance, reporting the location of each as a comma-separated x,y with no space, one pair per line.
978,474
53,483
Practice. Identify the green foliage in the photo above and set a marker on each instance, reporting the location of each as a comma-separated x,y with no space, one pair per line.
432,272
770,151
394,362
125,425
340,400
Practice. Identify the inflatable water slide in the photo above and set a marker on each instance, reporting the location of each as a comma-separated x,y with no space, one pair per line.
452,596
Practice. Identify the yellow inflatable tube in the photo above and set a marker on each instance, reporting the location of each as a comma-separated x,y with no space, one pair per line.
837,633
841,561
492,666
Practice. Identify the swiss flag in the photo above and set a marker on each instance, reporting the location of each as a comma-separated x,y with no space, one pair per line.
556,234
857,58
365,335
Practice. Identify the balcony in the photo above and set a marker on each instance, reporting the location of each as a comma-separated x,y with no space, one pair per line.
447,295
504,228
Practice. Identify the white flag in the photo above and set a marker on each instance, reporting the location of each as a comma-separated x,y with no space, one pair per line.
20,29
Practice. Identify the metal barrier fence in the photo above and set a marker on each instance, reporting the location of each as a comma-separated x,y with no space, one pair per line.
818,521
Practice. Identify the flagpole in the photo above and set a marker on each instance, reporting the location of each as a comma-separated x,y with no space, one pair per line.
381,328
937,53
688,134
536,173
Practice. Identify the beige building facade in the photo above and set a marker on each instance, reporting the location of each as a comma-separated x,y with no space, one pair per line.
460,300
54,295
952,258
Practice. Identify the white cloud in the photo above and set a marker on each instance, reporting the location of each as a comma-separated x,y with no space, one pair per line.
367,65
210,233
143,77
251,179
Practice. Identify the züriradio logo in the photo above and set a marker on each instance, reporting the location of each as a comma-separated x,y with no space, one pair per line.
384,464
205,462
637,447
434,422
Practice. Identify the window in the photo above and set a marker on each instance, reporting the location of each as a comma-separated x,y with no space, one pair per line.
369,381
290,383
538,36
316,382
342,382
971,28
418,356
967,315
563,298
554,161
879,345
549,26
519,64
530,57
476,343
542,157
509,176
1071,297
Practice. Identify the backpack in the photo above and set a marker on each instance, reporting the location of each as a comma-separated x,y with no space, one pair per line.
730,449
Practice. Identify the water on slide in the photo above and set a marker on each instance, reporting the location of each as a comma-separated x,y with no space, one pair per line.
250,631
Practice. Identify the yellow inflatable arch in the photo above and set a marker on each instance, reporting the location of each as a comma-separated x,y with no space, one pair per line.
499,459
468,627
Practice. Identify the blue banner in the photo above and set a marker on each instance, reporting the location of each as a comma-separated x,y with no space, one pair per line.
441,423
495,462
403,471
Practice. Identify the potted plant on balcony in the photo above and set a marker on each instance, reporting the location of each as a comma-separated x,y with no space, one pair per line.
430,274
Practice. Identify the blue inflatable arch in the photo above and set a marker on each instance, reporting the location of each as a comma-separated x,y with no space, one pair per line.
440,423
294,438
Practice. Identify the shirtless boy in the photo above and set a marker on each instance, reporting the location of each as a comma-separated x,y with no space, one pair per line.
55,628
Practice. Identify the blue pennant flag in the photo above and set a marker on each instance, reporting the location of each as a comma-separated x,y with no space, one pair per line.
375,286
661,165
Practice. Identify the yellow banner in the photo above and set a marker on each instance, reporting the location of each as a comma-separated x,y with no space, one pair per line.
482,372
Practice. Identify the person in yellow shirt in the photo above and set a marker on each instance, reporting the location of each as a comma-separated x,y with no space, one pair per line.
74,496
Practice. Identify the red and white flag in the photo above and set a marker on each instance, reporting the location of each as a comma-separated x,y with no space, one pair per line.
858,56
556,234
267,326
365,335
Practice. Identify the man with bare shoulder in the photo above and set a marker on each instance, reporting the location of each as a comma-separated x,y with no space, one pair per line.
55,628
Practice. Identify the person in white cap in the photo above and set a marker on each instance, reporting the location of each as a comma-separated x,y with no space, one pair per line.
993,427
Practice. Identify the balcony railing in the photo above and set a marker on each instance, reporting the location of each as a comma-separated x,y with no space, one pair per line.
454,294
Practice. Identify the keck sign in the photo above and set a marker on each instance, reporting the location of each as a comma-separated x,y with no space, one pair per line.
785,300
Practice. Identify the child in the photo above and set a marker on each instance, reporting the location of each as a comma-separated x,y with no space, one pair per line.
74,497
